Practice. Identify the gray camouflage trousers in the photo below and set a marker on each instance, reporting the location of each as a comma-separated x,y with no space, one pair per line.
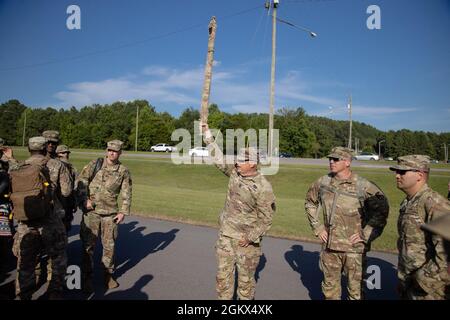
30,241
93,225
332,264
230,255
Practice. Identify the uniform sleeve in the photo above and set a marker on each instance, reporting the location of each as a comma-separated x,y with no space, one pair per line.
65,181
312,208
82,182
13,164
265,206
125,192
218,157
436,208
376,209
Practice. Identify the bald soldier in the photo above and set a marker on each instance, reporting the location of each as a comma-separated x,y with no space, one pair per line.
354,214
245,219
422,261
100,183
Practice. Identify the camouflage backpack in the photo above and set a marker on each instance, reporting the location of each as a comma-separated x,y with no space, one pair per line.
30,192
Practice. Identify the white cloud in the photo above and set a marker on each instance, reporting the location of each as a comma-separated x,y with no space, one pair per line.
230,89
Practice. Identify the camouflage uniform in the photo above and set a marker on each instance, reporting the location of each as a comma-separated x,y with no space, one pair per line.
60,176
103,190
69,203
33,237
422,263
350,206
62,189
248,211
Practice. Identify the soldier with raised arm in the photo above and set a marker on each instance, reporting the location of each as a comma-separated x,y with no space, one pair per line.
245,219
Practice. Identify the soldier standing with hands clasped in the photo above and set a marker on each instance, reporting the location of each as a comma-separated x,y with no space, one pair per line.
100,183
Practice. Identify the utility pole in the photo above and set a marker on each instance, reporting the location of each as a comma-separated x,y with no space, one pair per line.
379,148
446,152
24,128
350,118
212,27
137,128
272,76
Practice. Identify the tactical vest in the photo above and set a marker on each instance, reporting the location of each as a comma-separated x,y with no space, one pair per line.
352,219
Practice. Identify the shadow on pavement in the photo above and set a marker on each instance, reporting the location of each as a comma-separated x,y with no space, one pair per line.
306,263
387,288
260,267
383,283
133,293
133,246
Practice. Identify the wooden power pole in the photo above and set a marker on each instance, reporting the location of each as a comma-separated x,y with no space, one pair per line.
350,118
208,70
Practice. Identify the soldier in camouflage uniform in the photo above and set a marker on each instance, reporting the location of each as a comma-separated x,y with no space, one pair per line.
246,217
36,236
69,203
422,262
59,173
61,185
101,215
354,214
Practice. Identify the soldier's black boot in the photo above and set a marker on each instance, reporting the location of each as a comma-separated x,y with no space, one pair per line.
86,284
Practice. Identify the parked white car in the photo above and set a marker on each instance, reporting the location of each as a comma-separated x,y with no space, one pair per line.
367,156
199,152
162,147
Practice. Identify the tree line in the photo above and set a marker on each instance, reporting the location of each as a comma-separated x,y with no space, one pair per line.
300,134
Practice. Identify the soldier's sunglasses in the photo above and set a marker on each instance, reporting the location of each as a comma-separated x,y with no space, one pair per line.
403,172
334,159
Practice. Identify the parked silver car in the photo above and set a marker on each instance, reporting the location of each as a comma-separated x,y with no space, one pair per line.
367,156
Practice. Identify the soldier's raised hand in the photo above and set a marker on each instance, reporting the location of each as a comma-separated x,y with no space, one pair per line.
7,151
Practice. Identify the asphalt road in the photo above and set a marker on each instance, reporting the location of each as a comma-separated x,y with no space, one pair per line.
162,260
307,161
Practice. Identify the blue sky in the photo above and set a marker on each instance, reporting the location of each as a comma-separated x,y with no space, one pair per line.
399,76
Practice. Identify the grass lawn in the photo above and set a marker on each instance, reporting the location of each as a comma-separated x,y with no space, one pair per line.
196,193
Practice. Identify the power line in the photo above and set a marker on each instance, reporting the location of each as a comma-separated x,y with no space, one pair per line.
126,45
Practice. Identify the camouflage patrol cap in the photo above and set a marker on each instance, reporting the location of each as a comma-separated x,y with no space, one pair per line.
415,162
341,153
115,145
36,143
439,226
248,154
51,135
2,142
62,148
